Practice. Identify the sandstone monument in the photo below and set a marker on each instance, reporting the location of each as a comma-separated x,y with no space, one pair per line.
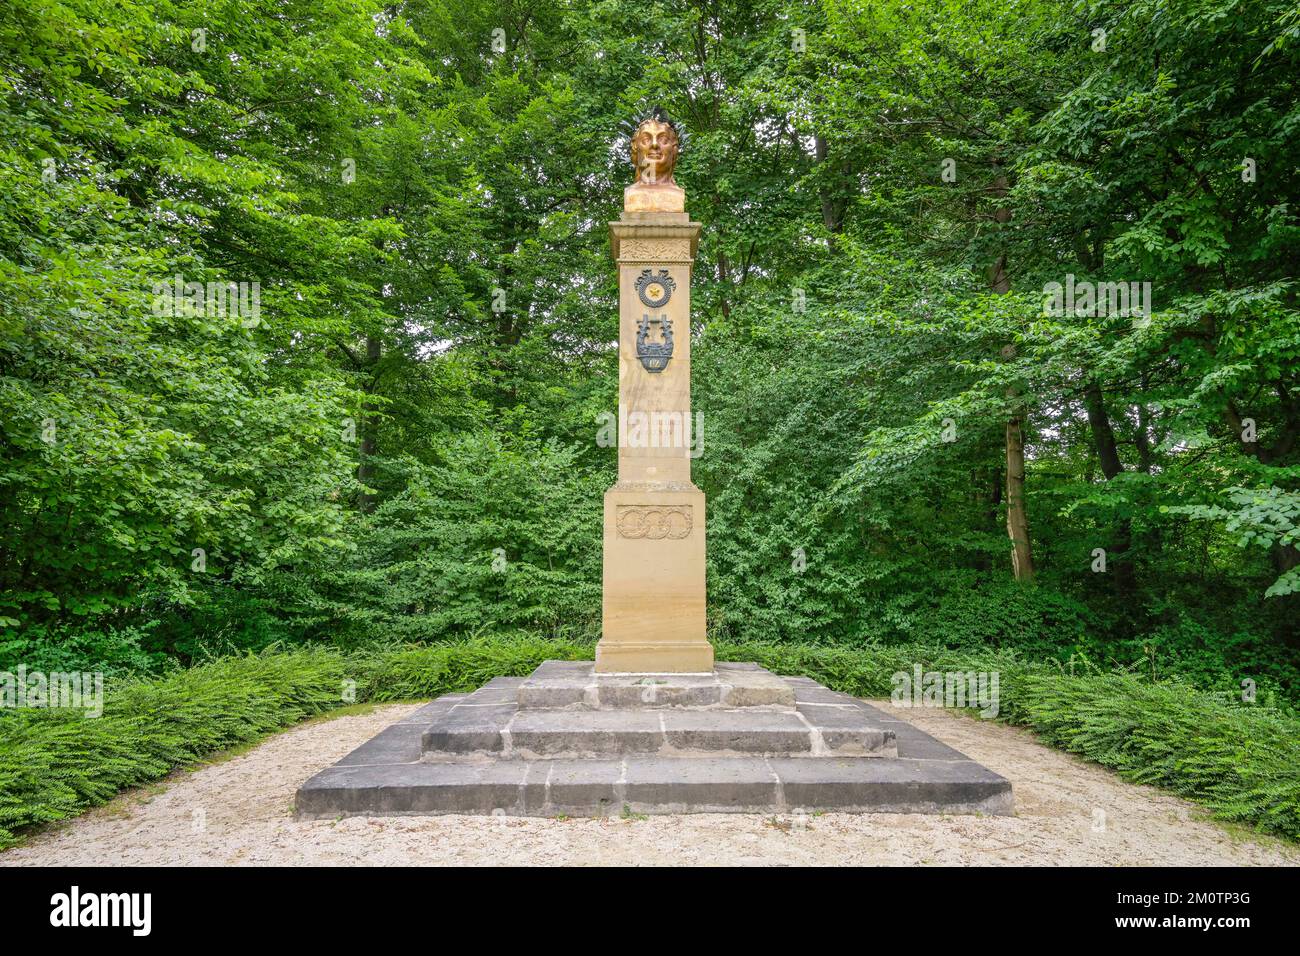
654,725
653,608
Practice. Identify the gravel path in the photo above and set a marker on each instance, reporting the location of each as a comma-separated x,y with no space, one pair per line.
238,811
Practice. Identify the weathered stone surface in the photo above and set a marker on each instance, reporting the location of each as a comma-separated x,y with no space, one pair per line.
736,731
578,788
902,785
499,690
482,753
429,711
479,788
467,728
752,686
400,743
657,785
570,684
509,732
596,733
708,785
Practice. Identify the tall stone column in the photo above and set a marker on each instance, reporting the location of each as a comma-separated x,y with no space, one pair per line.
653,614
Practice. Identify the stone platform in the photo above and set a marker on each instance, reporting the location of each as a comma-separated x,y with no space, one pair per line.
569,741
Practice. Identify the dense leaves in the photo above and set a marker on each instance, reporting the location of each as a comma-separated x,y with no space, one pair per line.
405,441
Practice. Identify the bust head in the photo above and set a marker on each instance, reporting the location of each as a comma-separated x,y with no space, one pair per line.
655,144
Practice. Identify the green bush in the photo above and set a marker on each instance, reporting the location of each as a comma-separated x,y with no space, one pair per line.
407,673
503,535
113,651
55,763
1243,763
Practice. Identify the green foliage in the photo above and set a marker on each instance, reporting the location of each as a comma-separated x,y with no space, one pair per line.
56,762
406,673
115,652
495,536
1240,762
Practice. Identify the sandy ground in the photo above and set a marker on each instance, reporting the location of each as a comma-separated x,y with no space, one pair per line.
238,810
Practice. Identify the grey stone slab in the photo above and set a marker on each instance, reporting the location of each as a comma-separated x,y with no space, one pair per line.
657,692
837,716
917,744
849,730
400,743
658,785
426,713
543,733
756,687
578,787
465,729
893,786
703,785
558,693
462,754
499,690
564,668
577,686
551,732
870,743
810,692
736,731
416,788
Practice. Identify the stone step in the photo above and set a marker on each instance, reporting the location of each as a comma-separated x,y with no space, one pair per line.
507,732
575,685
656,784
482,753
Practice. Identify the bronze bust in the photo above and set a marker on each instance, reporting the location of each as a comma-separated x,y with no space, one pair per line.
654,146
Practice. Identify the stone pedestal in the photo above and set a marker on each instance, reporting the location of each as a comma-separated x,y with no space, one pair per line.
570,741
653,611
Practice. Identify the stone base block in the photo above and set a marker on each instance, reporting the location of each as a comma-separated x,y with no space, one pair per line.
591,754
654,657
653,593
656,785
576,685
500,719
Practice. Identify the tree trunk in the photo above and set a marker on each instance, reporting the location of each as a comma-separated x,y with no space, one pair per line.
1103,440
369,427
1022,555
832,215
1103,436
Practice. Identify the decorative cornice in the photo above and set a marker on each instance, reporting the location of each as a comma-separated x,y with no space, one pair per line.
651,242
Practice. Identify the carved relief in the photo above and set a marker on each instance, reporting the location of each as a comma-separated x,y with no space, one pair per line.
654,521
655,250
655,290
